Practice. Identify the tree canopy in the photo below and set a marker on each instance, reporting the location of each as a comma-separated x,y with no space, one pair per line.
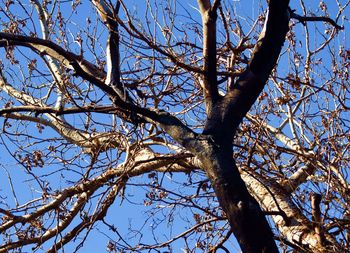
161,126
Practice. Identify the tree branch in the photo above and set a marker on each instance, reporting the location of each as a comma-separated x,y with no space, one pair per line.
71,134
271,39
126,110
305,19
108,16
89,221
242,95
52,63
70,60
209,17
204,5
272,197
109,109
144,161
315,200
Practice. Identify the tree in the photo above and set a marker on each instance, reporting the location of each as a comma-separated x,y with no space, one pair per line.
198,106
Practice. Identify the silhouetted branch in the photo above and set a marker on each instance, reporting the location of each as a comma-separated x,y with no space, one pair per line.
304,19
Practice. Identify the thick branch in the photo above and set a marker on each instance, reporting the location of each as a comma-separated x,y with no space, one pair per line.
112,52
231,110
244,214
315,200
71,134
204,5
53,64
209,17
70,60
88,71
292,225
271,39
144,161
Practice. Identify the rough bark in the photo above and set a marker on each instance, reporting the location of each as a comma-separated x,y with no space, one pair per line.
292,224
243,212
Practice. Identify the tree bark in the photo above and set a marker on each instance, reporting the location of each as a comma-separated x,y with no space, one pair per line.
246,218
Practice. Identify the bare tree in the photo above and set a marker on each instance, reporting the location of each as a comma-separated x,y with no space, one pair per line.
235,123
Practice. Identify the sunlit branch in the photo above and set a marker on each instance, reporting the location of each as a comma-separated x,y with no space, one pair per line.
81,201
209,17
70,133
296,228
144,161
113,78
53,63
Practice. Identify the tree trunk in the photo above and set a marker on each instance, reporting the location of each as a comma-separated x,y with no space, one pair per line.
246,218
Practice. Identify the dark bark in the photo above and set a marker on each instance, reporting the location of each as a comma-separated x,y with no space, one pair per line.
244,214
246,218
